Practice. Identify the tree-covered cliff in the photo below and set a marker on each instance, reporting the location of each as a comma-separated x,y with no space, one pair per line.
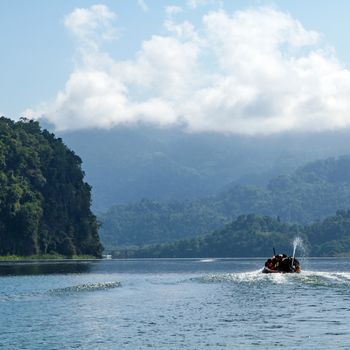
44,201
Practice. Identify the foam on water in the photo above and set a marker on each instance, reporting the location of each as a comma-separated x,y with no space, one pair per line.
252,276
87,287
316,278
244,277
209,260
326,279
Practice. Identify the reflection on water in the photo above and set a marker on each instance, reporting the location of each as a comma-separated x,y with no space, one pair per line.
43,268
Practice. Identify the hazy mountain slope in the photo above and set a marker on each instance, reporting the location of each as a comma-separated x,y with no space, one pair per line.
312,192
124,165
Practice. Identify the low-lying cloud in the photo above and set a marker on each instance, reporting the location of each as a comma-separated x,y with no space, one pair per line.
253,71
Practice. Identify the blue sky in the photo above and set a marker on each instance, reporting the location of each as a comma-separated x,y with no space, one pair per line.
41,56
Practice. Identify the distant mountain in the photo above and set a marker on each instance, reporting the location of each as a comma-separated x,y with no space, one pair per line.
44,201
330,237
312,192
124,165
253,236
150,221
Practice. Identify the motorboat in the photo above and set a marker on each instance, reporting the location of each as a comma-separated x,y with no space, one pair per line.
281,263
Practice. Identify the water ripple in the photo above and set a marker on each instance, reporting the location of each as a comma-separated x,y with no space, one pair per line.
86,287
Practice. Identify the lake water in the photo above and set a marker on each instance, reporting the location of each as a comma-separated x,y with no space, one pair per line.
174,304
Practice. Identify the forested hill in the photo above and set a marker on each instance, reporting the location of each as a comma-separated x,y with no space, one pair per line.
254,235
44,201
312,192
247,236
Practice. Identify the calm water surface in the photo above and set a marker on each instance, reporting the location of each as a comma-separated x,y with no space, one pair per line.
174,304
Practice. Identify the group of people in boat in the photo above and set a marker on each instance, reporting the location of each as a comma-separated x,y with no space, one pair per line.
282,263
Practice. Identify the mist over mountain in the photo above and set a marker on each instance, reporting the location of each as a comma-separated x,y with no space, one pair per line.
124,164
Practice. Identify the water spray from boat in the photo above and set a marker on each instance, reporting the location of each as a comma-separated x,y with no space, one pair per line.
297,242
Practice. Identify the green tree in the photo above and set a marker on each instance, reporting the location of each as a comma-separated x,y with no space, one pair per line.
44,201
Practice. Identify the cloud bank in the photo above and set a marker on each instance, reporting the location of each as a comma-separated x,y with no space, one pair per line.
255,71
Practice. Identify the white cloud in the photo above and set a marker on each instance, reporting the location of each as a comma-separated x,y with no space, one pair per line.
193,4
91,25
251,72
144,7
173,10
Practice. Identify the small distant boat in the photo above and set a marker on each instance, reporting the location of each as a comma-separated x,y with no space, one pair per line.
281,263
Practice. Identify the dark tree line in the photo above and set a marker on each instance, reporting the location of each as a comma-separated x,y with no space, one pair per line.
255,236
44,201
247,236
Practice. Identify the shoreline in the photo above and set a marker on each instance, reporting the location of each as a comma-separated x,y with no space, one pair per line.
46,257
56,258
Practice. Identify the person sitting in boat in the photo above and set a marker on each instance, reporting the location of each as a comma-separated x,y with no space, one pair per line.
288,264
269,264
277,260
